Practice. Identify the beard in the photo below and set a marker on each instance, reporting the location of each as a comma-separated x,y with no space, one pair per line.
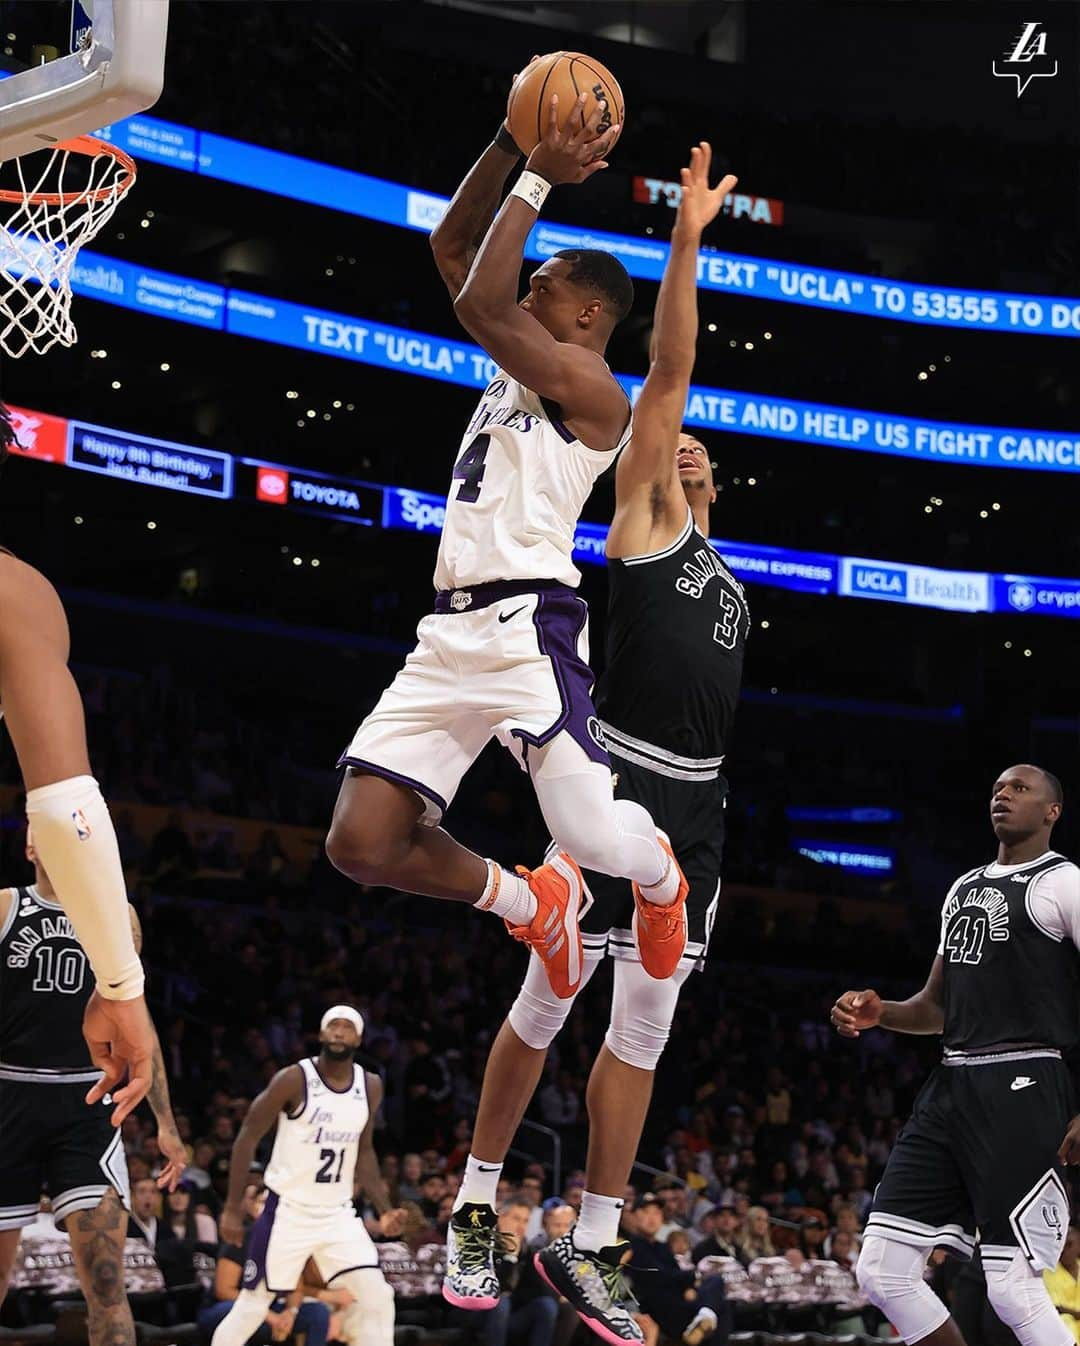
338,1051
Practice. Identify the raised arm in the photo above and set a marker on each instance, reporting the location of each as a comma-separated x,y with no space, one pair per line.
456,239
488,308
369,1178
647,488
282,1094
922,1013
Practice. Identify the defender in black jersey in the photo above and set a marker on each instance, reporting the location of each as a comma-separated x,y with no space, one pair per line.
982,1156
51,1141
677,630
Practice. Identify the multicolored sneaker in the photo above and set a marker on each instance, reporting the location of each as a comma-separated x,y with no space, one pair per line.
471,1240
660,932
554,934
593,1283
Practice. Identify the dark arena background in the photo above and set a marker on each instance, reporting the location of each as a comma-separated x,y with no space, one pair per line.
236,479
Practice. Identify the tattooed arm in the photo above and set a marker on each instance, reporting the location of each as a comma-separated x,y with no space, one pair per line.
169,1143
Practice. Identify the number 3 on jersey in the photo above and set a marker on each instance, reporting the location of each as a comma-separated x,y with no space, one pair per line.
469,470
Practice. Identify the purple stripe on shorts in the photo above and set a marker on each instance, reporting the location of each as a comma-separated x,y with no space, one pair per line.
559,619
374,769
255,1262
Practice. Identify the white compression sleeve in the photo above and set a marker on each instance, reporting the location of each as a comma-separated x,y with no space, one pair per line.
75,841
612,836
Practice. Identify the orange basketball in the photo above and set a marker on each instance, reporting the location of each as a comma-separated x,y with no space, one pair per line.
567,73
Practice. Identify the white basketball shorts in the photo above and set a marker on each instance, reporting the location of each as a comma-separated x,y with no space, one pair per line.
285,1235
508,660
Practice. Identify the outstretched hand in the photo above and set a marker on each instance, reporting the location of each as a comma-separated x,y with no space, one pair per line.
856,1011
121,1039
565,156
700,203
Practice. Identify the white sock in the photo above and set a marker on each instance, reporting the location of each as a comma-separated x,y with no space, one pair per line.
506,895
76,844
598,1224
666,889
479,1183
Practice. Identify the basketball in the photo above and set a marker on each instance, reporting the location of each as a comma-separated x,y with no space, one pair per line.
566,73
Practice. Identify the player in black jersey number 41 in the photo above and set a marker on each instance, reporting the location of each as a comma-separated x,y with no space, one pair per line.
993,1125
677,626
50,1139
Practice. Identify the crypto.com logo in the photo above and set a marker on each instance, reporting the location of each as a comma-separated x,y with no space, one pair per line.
1028,59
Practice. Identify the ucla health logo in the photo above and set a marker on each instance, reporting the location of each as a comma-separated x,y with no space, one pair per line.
1021,597
1026,59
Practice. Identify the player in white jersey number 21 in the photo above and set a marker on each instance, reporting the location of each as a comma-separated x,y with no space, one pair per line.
325,1112
505,654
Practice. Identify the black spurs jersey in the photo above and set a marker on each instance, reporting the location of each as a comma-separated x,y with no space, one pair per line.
45,982
676,634
1010,976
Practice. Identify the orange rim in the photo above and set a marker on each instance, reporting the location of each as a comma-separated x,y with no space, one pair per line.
91,148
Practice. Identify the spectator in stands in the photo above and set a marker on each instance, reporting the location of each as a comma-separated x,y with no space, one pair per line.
292,1316
455,1160
756,1240
666,1292
720,1237
531,1191
842,1250
184,1220
144,1221
432,1191
675,1201
1063,1283
412,1172
847,1222
560,1101
815,1230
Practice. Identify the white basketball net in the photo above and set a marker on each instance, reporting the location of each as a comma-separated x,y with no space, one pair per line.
65,196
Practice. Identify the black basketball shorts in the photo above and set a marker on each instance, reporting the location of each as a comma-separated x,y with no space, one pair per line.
52,1142
691,812
980,1154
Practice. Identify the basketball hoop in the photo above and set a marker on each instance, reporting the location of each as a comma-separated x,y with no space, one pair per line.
66,194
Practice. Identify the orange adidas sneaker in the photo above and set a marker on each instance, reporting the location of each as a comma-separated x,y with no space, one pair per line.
660,932
554,934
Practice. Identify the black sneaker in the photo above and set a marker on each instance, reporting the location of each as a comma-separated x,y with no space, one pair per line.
471,1239
594,1285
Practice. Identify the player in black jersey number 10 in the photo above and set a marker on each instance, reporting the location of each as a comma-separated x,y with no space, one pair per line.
50,1139
993,1126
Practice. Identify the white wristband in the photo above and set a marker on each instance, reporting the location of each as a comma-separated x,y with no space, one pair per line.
532,189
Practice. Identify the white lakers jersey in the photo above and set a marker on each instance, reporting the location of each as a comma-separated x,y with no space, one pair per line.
520,482
313,1162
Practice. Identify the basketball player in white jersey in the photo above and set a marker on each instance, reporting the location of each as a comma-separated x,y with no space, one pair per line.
73,832
505,653
325,1113
677,626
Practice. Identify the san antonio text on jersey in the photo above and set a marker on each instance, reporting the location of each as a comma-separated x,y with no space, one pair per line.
1009,938
45,982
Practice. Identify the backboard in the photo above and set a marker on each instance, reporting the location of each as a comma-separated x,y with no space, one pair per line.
117,69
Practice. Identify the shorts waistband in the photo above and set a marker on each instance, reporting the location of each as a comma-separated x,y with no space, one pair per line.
483,595
992,1058
660,760
48,1075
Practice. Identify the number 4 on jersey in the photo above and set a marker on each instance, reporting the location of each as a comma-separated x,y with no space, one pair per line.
469,470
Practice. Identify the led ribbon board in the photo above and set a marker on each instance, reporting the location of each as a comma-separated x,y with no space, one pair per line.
142,461
319,184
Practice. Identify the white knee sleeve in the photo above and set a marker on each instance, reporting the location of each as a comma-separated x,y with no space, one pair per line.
1020,1299
244,1318
642,1009
612,836
538,1014
370,1320
76,843
891,1276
